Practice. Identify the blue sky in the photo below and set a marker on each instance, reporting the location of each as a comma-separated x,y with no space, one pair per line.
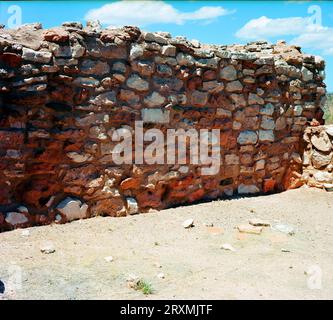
306,23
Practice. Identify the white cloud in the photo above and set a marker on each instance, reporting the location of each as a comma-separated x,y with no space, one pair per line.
321,39
307,32
143,13
265,28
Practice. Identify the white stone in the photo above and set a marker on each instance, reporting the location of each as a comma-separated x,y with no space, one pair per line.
228,191
307,75
247,189
247,137
36,56
266,135
72,209
228,247
257,222
16,218
321,142
260,165
155,115
236,125
154,100
188,223
284,228
168,50
155,37
47,248
108,259
234,86
238,99
228,73
136,51
320,160
137,83
267,123
107,99
255,99
323,176
132,206
212,86
329,130
88,82
77,157
231,159
119,67
185,59
267,109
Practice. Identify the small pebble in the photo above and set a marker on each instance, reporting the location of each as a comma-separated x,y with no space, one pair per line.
249,229
47,249
228,246
108,259
189,223
259,223
161,275
284,228
208,224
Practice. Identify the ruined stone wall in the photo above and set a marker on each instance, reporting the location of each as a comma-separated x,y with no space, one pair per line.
317,157
65,91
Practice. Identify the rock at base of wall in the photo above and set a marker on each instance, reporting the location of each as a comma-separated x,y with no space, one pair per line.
72,209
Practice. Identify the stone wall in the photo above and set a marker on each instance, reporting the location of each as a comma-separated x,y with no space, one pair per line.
66,90
318,157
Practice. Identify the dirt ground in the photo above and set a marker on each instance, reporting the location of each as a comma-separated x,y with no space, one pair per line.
192,260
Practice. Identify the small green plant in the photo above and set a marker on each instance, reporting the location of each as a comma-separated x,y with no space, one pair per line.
144,287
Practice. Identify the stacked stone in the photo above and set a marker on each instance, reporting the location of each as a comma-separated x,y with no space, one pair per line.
64,91
318,157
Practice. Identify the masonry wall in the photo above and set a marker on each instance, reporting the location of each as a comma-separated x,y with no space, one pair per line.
65,91
317,157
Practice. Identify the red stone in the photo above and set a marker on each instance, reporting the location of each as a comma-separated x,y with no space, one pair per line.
130,183
12,60
56,35
196,195
149,199
269,185
11,139
292,180
210,184
314,123
194,83
50,156
209,75
182,184
111,207
227,140
40,168
37,192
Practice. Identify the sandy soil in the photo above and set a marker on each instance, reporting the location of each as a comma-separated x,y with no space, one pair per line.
194,265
